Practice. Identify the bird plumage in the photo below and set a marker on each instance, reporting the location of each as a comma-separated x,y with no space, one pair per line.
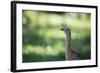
70,53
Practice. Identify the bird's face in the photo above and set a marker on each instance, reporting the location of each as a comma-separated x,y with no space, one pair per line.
64,28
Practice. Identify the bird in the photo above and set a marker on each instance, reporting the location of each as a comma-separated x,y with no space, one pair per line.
70,53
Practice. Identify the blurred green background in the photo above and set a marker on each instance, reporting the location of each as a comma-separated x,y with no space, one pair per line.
44,41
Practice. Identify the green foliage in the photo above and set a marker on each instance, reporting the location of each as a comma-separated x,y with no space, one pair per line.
43,40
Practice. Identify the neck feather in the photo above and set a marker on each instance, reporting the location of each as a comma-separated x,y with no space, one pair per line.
68,39
68,44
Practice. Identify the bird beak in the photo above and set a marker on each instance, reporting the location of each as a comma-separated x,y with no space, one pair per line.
61,29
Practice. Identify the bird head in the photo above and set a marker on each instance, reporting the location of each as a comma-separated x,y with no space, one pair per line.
64,28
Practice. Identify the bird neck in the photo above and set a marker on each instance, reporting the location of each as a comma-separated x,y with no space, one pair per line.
68,44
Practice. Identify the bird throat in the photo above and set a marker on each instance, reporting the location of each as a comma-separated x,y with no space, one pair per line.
68,45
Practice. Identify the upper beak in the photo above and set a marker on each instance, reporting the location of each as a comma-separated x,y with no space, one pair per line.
61,29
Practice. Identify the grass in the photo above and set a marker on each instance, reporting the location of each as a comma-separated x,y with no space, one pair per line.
41,54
